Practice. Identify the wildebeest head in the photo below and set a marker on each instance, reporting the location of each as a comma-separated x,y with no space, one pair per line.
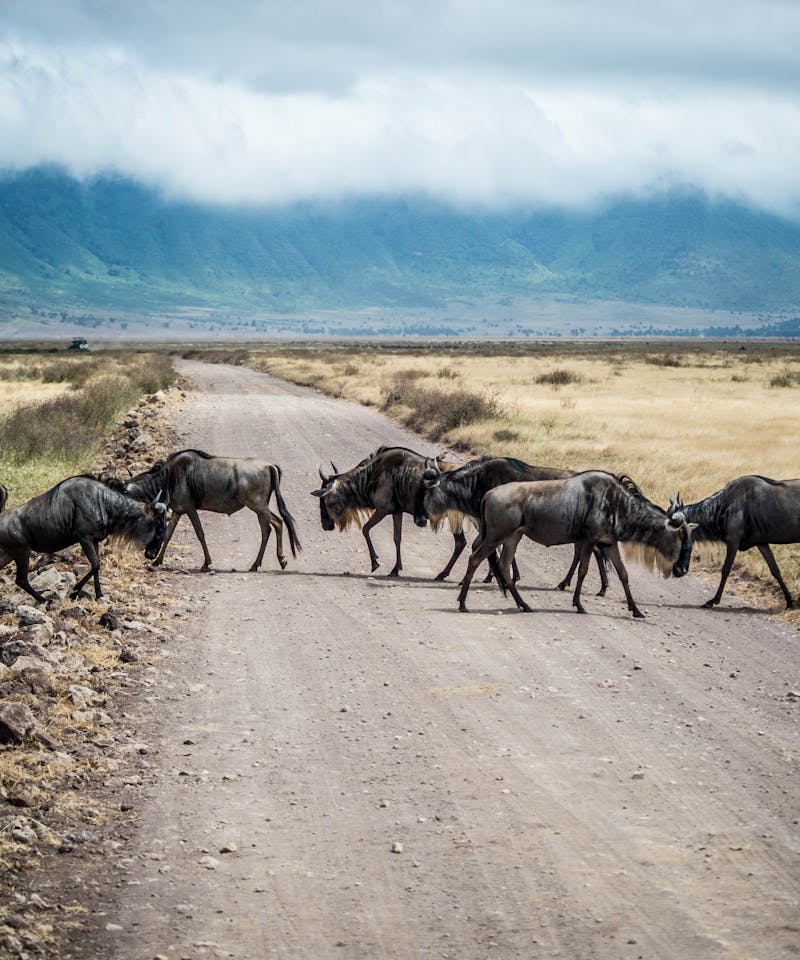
676,520
324,492
157,512
428,483
339,505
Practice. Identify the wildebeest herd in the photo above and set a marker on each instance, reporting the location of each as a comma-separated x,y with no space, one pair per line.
504,498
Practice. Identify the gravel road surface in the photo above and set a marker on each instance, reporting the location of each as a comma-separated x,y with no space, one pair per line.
343,766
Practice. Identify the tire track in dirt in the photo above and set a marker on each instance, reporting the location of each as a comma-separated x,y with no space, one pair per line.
561,786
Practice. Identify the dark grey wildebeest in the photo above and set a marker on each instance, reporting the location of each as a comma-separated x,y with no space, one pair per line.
383,484
78,510
590,509
462,490
193,480
751,511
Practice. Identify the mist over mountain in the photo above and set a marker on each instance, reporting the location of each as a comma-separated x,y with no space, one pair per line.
112,249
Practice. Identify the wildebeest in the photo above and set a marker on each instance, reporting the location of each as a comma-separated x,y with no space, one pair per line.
463,490
3,497
80,510
382,484
751,511
589,509
194,480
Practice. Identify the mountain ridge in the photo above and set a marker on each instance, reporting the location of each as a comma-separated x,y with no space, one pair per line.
111,244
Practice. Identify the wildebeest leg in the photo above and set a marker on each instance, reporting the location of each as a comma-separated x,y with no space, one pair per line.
766,553
459,542
397,522
601,567
167,537
266,522
514,573
585,552
730,554
576,556
374,519
22,561
504,567
622,573
90,549
265,525
481,552
194,516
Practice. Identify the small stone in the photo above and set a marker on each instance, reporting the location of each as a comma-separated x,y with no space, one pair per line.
209,862
397,847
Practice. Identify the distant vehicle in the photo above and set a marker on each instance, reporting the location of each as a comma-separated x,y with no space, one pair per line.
79,343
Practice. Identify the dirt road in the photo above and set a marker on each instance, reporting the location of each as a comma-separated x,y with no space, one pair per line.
343,766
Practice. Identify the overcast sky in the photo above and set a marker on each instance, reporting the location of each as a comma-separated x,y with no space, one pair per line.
489,101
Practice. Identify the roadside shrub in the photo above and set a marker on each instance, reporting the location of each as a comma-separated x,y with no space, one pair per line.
71,425
558,378
435,412
151,373
505,436
73,370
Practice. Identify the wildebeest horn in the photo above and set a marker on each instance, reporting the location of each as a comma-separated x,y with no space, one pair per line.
322,476
335,471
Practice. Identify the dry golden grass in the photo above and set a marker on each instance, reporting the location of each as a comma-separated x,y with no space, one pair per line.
56,407
677,418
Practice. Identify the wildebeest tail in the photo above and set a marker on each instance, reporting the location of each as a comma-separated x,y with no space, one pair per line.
288,519
494,566
3,497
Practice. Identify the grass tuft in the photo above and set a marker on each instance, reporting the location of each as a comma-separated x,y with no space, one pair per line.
559,378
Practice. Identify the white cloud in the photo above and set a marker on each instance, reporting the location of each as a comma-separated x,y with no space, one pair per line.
539,103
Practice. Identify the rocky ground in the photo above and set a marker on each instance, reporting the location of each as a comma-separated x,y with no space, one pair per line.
66,671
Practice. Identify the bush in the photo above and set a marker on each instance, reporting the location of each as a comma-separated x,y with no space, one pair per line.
787,378
71,425
559,378
435,412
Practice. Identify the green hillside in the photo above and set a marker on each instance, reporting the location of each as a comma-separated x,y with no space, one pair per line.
111,244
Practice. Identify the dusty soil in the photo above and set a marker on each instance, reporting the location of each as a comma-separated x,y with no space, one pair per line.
340,765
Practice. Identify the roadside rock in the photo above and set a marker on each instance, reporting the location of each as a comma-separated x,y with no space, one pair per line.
16,721
22,644
34,673
57,582
28,616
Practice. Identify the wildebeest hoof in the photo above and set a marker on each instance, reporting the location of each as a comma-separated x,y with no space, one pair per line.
580,608
709,604
637,613
393,573
281,560
525,608
601,592
462,608
440,576
561,586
